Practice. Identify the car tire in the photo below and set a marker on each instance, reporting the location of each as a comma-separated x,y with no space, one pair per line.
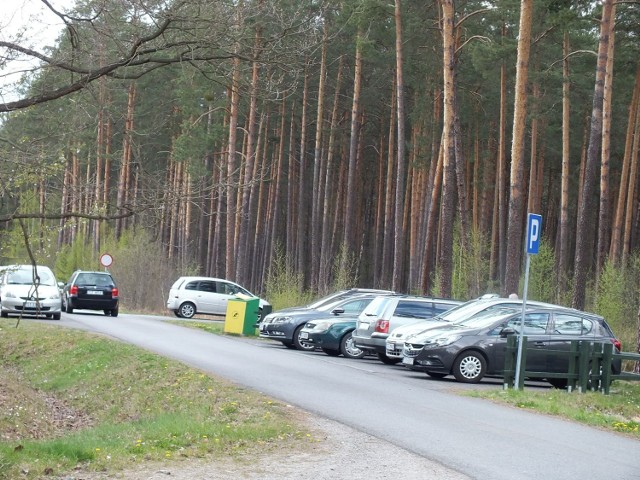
288,344
301,344
4,314
67,307
114,312
177,313
348,347
387,360
56,316
559,383
436,375
331,352
187,310
469,367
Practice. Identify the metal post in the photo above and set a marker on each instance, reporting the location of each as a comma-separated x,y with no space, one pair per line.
521,334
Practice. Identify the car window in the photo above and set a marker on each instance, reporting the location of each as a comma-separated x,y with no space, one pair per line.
191,286
355,306
227,288
413,309
442,307
566,324
207,286
534,323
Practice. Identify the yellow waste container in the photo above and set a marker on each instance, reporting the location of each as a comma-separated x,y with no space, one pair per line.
242,315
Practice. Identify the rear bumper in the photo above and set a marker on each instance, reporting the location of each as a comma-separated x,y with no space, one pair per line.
93,304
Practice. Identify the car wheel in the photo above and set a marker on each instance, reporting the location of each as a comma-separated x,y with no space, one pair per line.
436,374
559,383
469,367
348,347
301,344
67,307
331,352
177,313
4,314
56,316
387,360
114,312
187,310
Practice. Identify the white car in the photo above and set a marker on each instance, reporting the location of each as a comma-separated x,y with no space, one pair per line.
191,295
23,293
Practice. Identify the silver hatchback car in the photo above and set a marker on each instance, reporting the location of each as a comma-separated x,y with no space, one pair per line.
386,313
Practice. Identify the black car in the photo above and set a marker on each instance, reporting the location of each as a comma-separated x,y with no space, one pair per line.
91,291
474,348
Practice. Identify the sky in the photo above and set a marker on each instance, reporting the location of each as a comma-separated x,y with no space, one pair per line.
41,28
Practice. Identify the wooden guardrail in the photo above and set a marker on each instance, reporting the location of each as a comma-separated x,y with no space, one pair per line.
589,365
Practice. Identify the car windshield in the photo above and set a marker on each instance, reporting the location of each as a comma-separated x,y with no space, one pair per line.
486,318
24,276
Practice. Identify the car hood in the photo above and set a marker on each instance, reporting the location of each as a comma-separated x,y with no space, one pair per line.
440,330
406,331
44,291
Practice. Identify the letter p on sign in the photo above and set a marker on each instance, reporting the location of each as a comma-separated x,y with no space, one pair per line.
534,229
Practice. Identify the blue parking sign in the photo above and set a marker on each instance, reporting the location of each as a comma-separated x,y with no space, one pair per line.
534,231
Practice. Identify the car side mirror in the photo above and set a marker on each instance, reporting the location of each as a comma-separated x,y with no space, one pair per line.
505,332
337,311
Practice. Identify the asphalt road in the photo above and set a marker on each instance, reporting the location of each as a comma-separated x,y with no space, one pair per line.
472,436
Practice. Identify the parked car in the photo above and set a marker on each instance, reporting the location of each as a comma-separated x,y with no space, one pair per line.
331,299
91,290
333,336
286,326
30,291
189,296
471,349
384,314
486,303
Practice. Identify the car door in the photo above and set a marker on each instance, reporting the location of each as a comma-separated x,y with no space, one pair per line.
567,327
535,329
225,291
208,301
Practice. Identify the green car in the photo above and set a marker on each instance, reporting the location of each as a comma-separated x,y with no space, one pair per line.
332,336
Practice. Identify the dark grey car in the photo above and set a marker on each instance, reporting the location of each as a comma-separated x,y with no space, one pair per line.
477,347
285,326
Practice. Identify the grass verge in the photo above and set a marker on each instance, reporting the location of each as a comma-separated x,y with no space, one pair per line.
73,401
619,411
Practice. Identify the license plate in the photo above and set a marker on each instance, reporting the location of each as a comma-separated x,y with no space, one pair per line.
94,292
407,360
304,335
30,305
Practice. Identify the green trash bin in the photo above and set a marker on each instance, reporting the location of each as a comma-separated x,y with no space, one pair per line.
242,316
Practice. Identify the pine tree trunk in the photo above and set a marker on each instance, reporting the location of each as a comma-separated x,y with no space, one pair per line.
584,230
400,184
350,204
326,253
604,218
125,167
516,198
563,257
616,231
389,218
304,193
448,164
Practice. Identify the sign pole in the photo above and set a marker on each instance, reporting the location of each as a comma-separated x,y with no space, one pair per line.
534,227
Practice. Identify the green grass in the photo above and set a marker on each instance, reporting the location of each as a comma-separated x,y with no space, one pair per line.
619,411
69,400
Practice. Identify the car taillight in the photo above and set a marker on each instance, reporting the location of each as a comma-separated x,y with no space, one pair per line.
618,344
382,326
73,290
114,292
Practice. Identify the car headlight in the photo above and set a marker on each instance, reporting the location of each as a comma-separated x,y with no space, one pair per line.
321,326
55,296
280,320
442,341
10,294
